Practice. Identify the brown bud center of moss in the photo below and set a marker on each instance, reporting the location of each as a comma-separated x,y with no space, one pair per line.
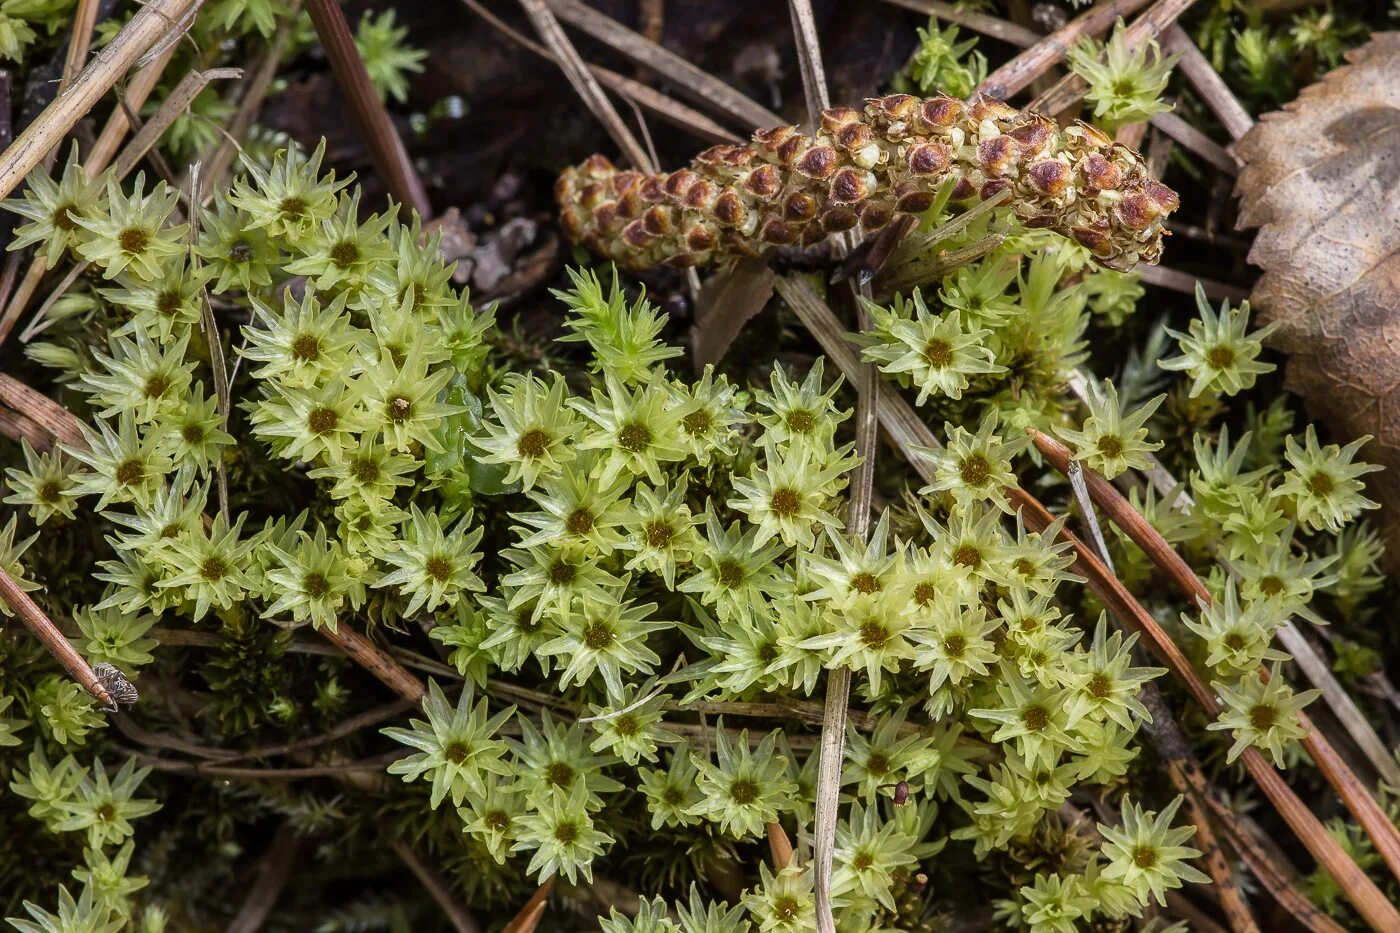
533,443
134,240
597,635
975,470
306,347
968,555
800,421
874,635
634,437
730,573
292,206
130,472
322,420
938,353
314,585
659,534
697,423
1220,357
559,774
1111,446
62,217
785,502
345,254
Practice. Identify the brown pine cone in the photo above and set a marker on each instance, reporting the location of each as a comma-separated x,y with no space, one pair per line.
863,168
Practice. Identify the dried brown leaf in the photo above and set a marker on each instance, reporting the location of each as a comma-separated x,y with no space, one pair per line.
1322,182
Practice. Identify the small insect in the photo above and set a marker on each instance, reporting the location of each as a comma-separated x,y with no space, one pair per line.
901,793
117,686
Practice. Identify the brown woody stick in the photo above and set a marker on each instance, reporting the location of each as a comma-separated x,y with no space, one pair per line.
373,659
1207,82
643,96
149,26
1021,71
43,628
1069,89
457,915
97,159
1354,795
386,148
528,919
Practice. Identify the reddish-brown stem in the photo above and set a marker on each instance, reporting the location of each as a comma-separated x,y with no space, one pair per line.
376,661
1185,773
779,845
1353,794
528,919
386,148
43,628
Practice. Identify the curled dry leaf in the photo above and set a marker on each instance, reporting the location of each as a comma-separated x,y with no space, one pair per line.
1322,182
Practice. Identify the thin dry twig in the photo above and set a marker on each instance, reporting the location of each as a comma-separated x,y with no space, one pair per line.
528,919
1007,32
374,660
149,26
1069,89
251,94
55,420
171,108
1207,82
866,381
138,89
1314,667
1018,74
386,147
1166,277
650,99
1198,142
79,44
699,86
585,85
43,628
274,870
362,766
1171,746
461,919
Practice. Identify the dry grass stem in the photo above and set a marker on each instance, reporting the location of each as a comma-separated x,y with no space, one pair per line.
385,146
43,629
